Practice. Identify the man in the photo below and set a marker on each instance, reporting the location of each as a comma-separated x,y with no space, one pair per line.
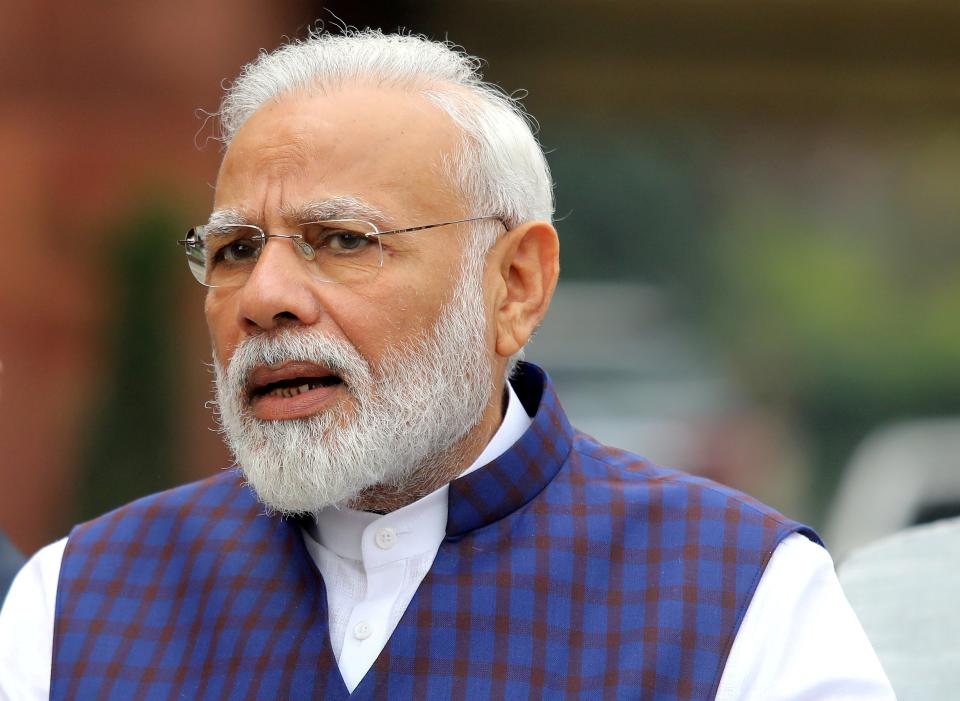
10,558
903,587
10,561
379,253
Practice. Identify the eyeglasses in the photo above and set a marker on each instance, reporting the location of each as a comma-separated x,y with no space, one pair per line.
347,251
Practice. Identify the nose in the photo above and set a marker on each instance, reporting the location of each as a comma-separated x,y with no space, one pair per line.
279,291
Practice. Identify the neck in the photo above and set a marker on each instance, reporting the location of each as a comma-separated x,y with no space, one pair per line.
438,470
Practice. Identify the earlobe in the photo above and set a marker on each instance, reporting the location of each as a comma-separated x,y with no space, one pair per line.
529,267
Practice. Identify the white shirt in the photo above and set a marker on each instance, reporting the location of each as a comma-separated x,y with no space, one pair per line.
799,638
372,565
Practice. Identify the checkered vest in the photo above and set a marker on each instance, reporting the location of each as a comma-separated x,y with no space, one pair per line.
569,570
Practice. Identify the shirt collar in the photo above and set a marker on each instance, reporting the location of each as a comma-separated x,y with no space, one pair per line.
417,527
515,423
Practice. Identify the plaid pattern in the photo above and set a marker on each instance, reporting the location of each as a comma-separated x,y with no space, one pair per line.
570,570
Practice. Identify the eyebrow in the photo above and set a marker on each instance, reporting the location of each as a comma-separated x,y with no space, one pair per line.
227,217
343,207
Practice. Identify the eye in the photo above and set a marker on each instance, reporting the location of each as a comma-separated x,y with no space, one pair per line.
232,246
344,241
238,251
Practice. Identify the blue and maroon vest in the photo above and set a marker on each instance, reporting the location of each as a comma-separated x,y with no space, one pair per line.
569,570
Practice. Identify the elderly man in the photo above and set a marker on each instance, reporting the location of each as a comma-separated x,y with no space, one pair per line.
405,522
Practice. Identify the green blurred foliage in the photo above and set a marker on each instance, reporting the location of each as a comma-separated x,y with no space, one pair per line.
133,444
631,205
846,328
827,282
841,311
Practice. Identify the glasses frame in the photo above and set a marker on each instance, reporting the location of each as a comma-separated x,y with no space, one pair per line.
193,241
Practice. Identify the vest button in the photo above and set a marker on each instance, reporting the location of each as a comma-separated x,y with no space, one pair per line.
362,630
386,538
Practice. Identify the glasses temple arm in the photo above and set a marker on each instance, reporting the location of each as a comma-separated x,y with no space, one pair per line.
446,223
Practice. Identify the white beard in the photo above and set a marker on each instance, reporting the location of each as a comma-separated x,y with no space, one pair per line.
407,414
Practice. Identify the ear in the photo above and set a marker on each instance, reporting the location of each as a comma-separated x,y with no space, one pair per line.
528,264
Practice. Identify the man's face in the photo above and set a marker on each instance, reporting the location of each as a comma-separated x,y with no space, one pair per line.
384,149
381,147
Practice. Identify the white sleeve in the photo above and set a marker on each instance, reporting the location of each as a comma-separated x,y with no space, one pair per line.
26,627
800,640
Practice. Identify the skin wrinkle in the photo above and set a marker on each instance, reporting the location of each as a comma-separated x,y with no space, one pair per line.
396,311
415,393
338,207
389,324
286,157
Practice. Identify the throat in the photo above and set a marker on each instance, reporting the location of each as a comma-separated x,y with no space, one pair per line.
422,480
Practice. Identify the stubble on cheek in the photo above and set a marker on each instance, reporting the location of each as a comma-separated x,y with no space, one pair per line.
216,309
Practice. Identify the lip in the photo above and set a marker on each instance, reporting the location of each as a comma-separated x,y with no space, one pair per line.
274,407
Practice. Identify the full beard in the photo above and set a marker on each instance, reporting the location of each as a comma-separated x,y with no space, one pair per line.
408,419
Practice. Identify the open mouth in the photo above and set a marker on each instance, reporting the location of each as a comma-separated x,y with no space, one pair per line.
294,386
293,389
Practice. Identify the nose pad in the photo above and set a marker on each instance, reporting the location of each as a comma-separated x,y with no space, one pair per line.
279,263
297,240
305,250
277,290
308,251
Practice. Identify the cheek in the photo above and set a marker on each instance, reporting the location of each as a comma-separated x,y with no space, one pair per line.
395,314
374,322
224,335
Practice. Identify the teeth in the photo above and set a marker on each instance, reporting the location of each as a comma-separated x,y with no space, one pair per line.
291,391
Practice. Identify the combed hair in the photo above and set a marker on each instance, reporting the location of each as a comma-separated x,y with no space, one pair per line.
499,167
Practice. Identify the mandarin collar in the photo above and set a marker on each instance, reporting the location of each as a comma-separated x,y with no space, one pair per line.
515,477
420,525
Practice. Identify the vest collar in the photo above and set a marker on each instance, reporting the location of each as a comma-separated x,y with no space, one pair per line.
518,475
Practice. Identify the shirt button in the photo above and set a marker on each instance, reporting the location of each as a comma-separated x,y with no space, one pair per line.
386,538
362,630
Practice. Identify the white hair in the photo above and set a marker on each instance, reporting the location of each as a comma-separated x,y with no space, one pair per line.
499,167
410,411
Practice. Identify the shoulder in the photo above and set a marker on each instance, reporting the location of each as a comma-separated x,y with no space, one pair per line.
191,529
918,544
672,494
10,562
917,565
799,637
903,589
189,506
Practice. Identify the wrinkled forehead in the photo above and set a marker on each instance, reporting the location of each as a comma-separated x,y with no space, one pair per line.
334,208
381,146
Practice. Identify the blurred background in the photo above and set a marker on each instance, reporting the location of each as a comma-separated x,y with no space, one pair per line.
757,204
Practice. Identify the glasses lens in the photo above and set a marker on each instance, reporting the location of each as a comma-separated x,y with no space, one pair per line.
343,250
347,250
226,255
196,258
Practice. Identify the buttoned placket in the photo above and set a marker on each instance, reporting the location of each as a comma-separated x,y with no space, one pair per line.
383,559
383,550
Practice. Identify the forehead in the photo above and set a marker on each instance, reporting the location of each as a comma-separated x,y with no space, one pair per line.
380,145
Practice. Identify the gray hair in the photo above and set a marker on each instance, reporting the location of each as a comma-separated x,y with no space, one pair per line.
499,167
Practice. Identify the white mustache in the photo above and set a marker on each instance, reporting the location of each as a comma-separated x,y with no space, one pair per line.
404,408
291,345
